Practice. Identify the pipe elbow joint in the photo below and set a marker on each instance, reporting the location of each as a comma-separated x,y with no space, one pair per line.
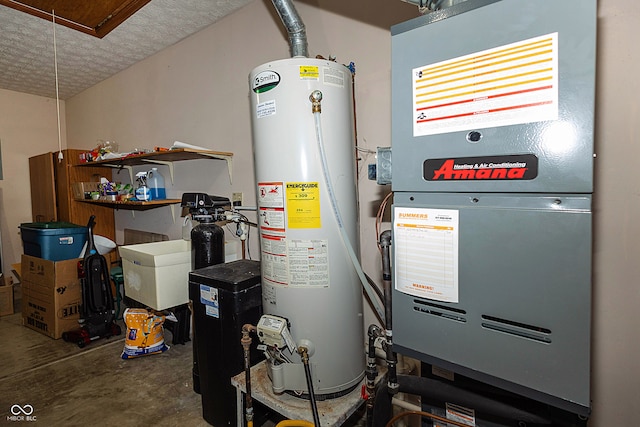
374,331
246,338
385,238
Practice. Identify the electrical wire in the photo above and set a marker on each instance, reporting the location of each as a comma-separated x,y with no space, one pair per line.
375,287
425,414
365,150
55,61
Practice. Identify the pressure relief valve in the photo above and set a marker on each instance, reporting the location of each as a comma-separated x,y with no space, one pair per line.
316,98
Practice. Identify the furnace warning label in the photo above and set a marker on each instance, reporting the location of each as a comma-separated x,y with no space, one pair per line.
511,84
426,253
303,205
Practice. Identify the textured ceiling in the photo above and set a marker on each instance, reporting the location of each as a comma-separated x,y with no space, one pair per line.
26,45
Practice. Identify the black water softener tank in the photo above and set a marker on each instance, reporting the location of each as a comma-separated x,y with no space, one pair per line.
207,248
225,297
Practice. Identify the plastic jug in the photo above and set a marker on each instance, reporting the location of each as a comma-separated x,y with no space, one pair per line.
155,181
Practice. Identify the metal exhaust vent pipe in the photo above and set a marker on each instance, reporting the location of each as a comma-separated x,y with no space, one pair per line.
426,6
295,27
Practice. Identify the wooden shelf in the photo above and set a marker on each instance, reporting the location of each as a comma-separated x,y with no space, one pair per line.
163,158
132,205
176,155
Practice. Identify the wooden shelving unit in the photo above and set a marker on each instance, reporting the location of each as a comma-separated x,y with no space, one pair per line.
164,158
134,204
161,158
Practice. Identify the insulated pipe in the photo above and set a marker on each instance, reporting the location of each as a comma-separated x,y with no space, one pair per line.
295,27
436,390
385,244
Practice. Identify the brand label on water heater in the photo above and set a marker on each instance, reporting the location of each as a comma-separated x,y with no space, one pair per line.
265,81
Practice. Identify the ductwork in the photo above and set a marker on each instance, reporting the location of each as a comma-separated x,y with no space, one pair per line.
295,27
425,6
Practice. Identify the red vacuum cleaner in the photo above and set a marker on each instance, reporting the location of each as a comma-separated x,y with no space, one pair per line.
97,314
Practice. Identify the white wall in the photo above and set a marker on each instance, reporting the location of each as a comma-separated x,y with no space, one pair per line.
616,290
28,127
196,92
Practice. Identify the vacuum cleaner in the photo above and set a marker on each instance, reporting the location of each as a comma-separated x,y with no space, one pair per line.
97,314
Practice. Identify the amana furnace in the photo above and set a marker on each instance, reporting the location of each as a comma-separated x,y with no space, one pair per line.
492,139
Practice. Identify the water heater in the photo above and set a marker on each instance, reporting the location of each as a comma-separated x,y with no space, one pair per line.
304,161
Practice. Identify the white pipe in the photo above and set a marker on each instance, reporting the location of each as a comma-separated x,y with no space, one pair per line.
336,211
405,405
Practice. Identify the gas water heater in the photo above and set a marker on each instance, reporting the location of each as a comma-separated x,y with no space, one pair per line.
492,138
307,219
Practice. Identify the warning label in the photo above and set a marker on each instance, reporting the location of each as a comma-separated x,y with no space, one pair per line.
309,72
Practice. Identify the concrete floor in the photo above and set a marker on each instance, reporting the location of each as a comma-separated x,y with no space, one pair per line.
68,386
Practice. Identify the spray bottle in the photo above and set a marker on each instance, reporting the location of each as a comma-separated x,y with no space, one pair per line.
142,192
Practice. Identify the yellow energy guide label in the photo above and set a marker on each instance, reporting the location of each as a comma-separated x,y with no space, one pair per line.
303,205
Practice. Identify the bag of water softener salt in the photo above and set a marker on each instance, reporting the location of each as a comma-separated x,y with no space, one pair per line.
145,334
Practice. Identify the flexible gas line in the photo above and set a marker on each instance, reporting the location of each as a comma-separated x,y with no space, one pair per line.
304,355
316,98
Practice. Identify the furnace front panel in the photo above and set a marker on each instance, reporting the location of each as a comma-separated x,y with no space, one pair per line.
492,141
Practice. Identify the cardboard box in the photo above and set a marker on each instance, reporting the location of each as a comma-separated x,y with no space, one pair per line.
157,274
79,188
6,296
51,295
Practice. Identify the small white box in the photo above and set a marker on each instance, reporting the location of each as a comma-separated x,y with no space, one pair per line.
157,274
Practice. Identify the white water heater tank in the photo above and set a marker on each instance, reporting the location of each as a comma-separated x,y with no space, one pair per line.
308,276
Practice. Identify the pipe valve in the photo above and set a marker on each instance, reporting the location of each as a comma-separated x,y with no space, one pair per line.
316,99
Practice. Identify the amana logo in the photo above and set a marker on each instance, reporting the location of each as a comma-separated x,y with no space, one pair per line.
265,81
